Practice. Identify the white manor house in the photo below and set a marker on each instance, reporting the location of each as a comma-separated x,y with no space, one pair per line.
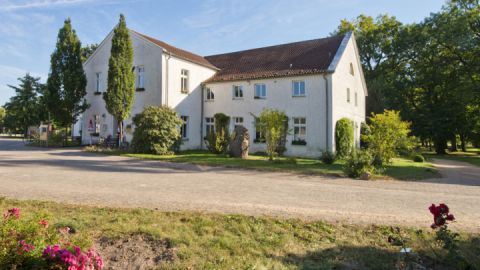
316,82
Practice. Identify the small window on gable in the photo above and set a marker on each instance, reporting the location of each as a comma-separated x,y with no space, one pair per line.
140,77
348,95
98,76
352,71
184,81
356,99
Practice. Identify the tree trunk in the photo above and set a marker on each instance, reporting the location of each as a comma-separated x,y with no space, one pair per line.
65,141
120,134
463,142
453,147
440,146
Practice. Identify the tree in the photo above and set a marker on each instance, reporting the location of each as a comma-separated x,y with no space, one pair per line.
156,130
218,140
344,137
65,93
274,125
121,80
388,135
2,119
23,109
87,51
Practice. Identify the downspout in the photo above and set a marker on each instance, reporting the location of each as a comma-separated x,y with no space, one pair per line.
327,114
202,87
167,57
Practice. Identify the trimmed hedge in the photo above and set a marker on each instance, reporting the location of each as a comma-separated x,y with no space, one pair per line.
344,137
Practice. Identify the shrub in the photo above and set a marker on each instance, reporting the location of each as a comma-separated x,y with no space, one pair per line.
357,163
328,157
418,158
274,125
343,137
364,132
217,141
26,243
389,135
156,130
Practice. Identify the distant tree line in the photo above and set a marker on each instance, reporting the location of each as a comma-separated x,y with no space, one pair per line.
429,71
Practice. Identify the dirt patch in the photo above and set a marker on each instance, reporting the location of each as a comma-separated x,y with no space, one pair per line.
135,252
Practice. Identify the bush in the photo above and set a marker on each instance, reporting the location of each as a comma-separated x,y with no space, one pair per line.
364,132
357,163
156,130
343,137
217,141
30,243
274,125
328,157
389,135
418,158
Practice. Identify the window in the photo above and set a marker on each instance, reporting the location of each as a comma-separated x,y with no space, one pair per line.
209,125
260,91
259,136
352,71
98,75
210,95
237,92
140,77
184,81
356,99
298,89
237,121
299,129
184,127
348,95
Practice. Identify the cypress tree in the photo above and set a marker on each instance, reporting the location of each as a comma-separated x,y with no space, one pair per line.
65,94
121,80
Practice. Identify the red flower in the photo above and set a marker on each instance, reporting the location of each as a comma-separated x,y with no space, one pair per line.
44,223
13,212
440,215
443,208
450,217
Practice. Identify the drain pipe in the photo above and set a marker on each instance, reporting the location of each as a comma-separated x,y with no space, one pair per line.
327,114
202,105
167,57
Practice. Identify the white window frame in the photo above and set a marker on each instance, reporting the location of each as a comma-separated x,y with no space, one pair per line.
98,83
237,121
209,124
348,95
299,124
298,93
140,82
237,92
184,127
209,95
262,91
184,81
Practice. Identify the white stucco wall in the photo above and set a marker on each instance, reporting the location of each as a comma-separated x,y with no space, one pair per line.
145,54
186,104
343,79
279,96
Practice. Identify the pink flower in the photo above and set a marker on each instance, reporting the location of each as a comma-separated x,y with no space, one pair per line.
13,212
25,247
44,223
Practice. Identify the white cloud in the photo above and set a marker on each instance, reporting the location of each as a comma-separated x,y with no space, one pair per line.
16,5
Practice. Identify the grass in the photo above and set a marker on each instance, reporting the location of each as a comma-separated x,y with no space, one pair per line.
472,156
400,169
214,241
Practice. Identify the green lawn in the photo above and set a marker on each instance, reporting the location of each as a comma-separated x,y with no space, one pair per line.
214,241
472,156
401,169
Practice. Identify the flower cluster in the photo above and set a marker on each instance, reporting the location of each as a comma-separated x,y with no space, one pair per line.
13,212
24,247
44,223
75,260
441,214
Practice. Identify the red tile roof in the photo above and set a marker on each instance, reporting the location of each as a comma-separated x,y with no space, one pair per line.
195,58
299,58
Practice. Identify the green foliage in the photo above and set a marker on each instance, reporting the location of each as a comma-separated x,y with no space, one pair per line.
364,132
274,125
344,137
418,158
121,79
389,134
2,118
24,109
156,130
328,157
357,163
66,84
87,51
218,140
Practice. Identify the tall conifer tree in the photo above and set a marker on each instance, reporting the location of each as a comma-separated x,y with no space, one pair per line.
65,94
121,79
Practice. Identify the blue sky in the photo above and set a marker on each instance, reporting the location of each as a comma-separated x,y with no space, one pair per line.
28,28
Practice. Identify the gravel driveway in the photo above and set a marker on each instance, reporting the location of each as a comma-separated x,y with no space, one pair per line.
73,176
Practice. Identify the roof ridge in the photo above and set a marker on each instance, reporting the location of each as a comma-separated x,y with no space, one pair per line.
277,45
